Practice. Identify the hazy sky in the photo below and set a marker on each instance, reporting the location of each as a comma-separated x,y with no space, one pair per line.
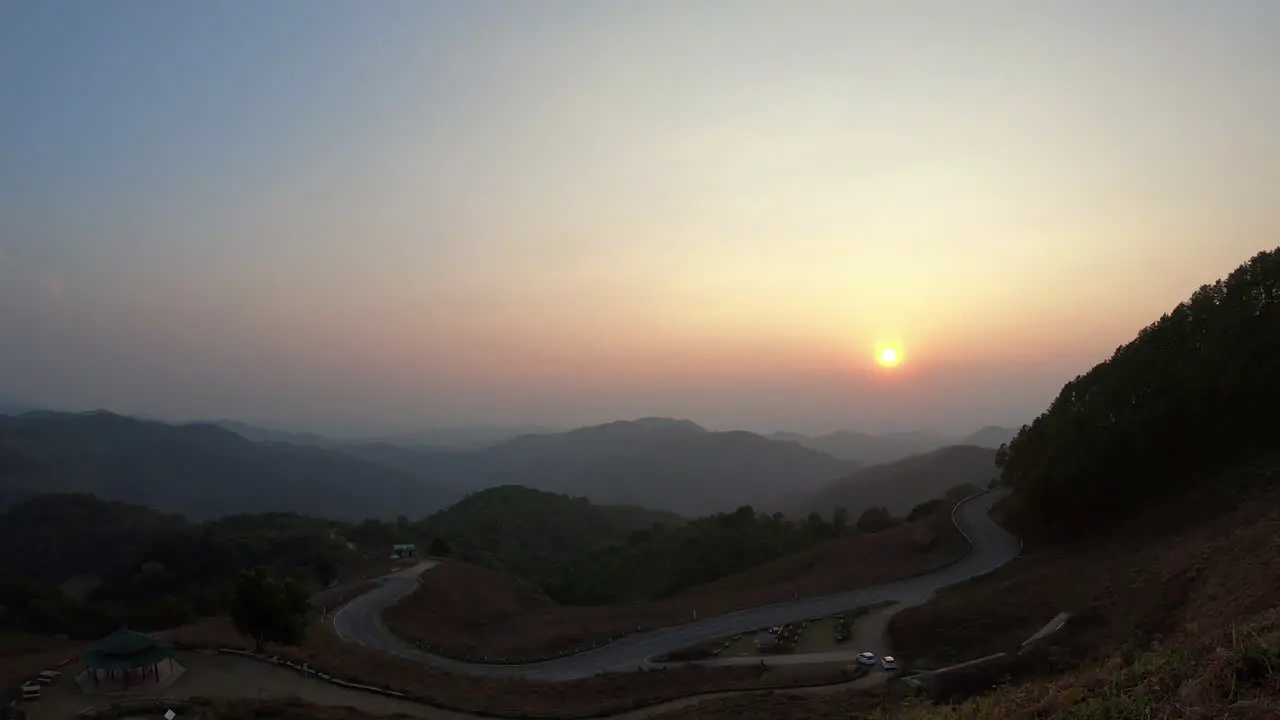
372,215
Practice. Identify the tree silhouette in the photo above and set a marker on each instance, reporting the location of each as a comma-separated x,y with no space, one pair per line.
840,519
925,509
326,572
439,547
269,609
1192,389
875,519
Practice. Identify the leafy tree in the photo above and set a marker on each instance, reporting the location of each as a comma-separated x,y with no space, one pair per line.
664,560
326,572
840,519
817,527
439,547
269,609
875,519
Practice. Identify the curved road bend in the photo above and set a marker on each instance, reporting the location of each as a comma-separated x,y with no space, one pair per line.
358,621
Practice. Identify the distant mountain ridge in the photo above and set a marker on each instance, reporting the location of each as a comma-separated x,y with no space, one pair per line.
200,470
261,434
658,463
449,438
208,469
899,485
873,449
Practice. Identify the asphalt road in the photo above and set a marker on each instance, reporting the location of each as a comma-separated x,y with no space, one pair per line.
358,622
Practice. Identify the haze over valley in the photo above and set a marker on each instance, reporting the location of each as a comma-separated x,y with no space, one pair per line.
206,470
661,359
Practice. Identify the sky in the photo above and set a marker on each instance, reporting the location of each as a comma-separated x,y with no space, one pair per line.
363,217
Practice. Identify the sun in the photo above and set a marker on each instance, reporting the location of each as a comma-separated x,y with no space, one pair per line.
888,356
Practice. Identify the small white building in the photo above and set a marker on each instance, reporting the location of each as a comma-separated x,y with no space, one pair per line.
404,551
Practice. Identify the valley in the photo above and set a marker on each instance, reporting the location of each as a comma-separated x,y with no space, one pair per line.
535,603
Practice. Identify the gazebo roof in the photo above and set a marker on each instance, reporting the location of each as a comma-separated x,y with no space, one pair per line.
125,649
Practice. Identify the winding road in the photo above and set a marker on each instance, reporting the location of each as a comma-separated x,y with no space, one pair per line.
358,621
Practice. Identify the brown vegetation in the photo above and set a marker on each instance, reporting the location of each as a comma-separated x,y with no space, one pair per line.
1197,562
327,601
1179,620
23,656
466,611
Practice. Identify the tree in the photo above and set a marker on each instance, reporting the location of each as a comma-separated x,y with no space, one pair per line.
924,509
326,572
1189,390
817,527
840,519
269,609
875,519
439,547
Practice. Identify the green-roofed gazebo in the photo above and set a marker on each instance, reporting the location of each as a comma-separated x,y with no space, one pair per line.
126,656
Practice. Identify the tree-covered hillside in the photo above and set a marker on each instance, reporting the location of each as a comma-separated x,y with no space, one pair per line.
117,562
1192,389
527,532
659,562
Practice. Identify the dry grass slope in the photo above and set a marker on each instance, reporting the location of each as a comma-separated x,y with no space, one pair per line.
467,611
1182,620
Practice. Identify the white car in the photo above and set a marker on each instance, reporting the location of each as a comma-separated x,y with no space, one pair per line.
888,663
866,658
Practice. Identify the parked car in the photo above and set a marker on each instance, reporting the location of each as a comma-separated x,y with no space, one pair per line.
866,658
888,662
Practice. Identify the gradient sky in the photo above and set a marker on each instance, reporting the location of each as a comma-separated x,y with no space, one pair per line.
364,216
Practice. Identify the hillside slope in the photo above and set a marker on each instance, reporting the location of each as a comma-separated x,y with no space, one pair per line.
202,471
149,569
873,449
899,486
656,463
526,532
1194,389
1149,496
1195,562
866,448
465,611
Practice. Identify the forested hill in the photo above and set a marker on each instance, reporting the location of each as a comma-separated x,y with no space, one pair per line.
202,471
1195,388
119,562
525,532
